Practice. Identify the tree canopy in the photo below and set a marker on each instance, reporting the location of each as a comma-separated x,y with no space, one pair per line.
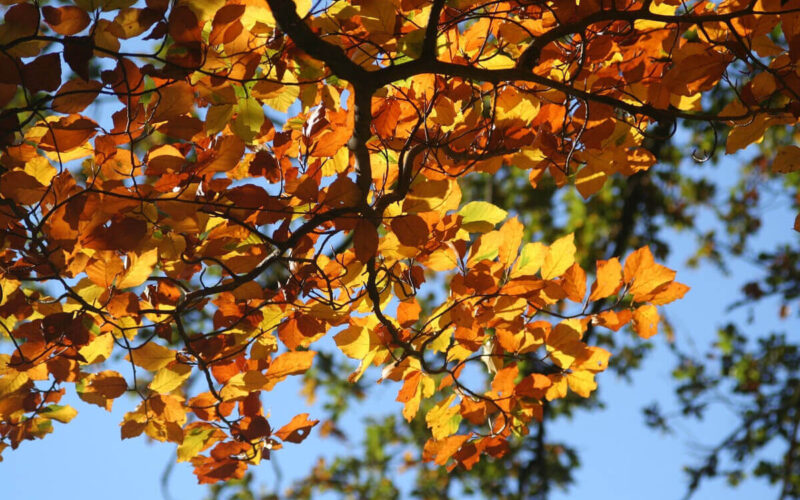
193,194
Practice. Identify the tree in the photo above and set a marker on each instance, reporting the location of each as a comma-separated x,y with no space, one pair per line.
212,243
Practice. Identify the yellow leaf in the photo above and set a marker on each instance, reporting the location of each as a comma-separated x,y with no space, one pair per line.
742,136
152,357
486,247
99,349
530,260
196,438
139,269
40,169
242,384
442,419
217,118
509,308
498,61
250,117
590,180
558,389
170,378
354,341
442,340
560,256
378,17
645,321
564,344
480,216
57,412
12,382
442,259
417,387
203,9
594,359
581,382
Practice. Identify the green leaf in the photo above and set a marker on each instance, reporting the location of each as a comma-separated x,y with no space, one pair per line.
250,117
58,412
194,442
480,216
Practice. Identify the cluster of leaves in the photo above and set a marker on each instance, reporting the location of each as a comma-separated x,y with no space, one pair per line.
194,234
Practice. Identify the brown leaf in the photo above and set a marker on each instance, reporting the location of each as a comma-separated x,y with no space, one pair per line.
365,240
76,95
43,73
411,230
172,101
67,20
68,133
77,54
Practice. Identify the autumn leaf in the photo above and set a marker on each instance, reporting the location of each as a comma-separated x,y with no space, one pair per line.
559,257
481,216
645,321
643,274
297,430
609,279
151,356
192,185
169,378
443,419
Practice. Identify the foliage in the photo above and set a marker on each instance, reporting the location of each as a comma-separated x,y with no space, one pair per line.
275,172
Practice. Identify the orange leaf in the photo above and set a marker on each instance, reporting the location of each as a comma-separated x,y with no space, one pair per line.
574,283
104,268
296,430
609,279
67,20
408,313
288,363
68,133
643,274
668,293
613,320
225,155
440,451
